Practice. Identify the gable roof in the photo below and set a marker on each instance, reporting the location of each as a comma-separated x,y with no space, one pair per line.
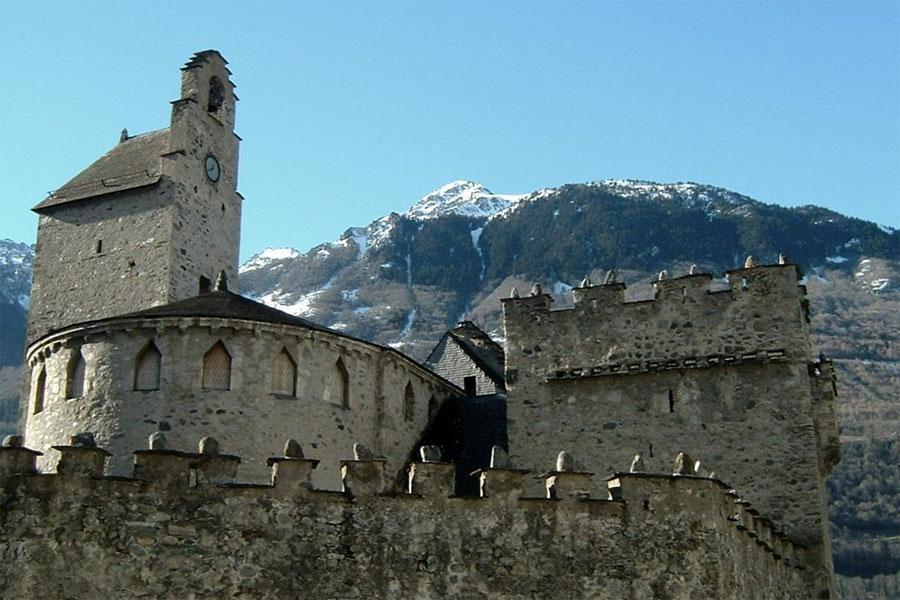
485,353
130,164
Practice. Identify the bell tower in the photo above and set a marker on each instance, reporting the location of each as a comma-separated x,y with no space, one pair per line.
152,221
203,158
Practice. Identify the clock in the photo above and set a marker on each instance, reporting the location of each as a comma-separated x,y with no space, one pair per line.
212,168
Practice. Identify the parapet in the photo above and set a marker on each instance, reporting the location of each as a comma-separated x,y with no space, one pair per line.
183,509
758,314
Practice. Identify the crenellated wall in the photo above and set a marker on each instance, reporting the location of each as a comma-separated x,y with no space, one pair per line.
246,417
180,527
724,374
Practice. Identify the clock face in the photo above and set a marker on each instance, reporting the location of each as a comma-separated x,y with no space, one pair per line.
212,168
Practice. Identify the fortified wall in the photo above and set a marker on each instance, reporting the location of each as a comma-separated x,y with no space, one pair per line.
181,527
727,375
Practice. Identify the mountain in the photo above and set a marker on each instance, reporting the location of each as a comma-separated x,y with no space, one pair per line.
16,260
405,278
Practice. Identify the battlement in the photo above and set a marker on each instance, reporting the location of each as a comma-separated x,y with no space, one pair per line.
206,479
691,322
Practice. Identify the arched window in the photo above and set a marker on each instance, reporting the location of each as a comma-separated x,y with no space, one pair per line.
216,95
409,402
432,407
75,376
40,389
147,368
217,368
284,374
340,384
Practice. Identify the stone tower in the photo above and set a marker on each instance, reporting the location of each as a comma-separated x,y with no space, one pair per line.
152,221
724,373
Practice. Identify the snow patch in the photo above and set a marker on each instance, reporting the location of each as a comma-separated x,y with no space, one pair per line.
887,230
361,310
836,259
561,287
268,256
407,327
476,236
350,295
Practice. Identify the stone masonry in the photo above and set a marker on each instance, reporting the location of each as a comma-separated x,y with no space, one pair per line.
727,375
181,528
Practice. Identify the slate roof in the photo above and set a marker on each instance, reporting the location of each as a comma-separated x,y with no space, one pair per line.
485,352
130,164
223,305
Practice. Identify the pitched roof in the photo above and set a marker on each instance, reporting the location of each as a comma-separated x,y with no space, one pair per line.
223,305
132,163
478,345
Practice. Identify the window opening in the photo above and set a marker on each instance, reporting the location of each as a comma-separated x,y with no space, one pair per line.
147,368
205,285
341,384
409,402
217,368
470,386
99,247
40,389
432,407
671,401
216,95
75,376
284,374
744,284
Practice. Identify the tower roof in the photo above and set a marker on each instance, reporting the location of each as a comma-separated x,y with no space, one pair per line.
224,305
132,163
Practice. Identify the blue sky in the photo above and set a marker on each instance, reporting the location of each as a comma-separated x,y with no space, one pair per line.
351,110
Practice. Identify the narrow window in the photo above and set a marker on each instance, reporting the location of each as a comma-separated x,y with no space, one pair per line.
744,284
284,375
432,407
470,386
340,384
409,402
75,376
205,285
147,367
217,368
650,448
40,387
671,401
216,95
99,247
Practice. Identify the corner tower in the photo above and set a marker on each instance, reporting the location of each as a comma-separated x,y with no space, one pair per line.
150,222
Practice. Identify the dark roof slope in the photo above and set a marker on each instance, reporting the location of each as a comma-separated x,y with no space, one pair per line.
223,305
131,164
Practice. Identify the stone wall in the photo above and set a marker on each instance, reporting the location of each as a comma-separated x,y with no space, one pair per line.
249,416
73,282
180,529
722,375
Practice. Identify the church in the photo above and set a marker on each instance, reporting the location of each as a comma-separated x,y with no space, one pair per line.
424,475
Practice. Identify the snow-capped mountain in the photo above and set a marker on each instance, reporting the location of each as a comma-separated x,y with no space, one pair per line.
461,197
16,260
